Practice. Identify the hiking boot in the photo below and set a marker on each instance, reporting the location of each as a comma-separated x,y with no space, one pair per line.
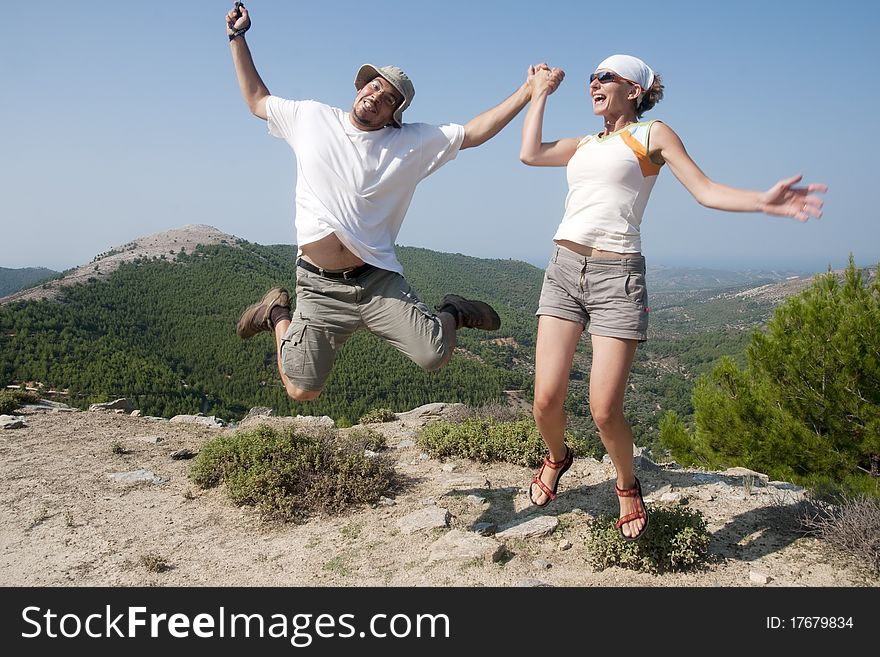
471,314
258,316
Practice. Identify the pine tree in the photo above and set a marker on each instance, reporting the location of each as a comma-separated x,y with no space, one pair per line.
806,407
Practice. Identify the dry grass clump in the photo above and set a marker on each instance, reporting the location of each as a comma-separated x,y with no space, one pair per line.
486,439
852,526
290,475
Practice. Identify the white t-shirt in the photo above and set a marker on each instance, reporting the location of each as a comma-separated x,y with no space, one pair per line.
357,183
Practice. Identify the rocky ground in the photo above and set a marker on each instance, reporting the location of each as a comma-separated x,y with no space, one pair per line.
97,499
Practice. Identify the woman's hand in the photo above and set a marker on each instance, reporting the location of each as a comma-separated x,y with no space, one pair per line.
784,200
543,79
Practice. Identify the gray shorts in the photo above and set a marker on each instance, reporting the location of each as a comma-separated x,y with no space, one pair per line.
609,294
328,311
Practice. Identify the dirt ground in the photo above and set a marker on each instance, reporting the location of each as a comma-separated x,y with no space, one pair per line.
65,522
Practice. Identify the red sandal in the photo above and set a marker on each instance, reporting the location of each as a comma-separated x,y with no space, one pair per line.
561,465
635,491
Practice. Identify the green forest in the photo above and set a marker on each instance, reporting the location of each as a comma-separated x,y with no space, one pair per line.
161,332
13,280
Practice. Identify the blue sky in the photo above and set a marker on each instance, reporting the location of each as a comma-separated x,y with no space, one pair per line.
124,119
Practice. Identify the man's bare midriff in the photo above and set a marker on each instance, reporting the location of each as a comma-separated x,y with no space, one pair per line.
590,252
329,253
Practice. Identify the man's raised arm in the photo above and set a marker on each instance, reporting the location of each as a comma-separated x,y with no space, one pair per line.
482,128
253,90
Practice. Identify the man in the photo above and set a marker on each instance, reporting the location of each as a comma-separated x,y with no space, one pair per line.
356,174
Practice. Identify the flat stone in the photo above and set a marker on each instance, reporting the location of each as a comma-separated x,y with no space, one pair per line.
432,517
456,545
203,420
756,577
47,406
745,472
540,526
121,404
11,422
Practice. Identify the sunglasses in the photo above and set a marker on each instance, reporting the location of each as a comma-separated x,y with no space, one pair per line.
608,76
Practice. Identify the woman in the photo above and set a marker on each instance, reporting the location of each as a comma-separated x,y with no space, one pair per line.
596,275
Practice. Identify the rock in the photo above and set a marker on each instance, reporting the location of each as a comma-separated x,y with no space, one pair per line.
432,517
11,422
542,564
122,404
204,420
485,528
136,413
476,500
182,454
540,526
644,464
784,485
565,544
429,412
756,577
465,481
457,545
745,472
259,411
46,406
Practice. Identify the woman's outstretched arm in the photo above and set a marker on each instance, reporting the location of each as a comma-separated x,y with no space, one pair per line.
782,200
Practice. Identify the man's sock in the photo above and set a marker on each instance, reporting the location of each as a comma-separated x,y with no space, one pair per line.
277,314
452,310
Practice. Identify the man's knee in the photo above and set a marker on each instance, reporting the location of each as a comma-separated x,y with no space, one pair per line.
434,359
299,394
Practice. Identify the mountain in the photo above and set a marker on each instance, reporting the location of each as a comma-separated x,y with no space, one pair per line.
13,280
164,245
154,320
683,279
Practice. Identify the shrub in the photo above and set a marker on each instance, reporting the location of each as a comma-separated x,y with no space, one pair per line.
806,407
676,540
291,476
361,438
377,416
852,527
13,399
485,439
